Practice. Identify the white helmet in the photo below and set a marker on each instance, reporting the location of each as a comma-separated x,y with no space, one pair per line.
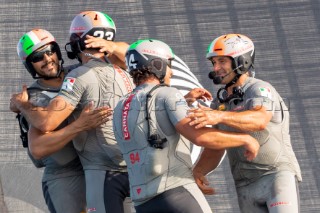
149,54
239,47
92,23
30,42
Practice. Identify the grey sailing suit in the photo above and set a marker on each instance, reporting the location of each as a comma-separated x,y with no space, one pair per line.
157,173
275,157
99,153
63,177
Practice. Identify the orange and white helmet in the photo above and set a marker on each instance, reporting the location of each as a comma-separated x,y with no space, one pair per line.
91,23
239,47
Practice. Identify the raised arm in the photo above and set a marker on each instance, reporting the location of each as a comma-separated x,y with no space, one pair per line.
115,51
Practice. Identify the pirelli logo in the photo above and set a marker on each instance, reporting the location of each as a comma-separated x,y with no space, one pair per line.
125,113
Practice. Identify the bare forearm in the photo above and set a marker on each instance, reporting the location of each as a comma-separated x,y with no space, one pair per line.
208,161
216,139
45,144
36,116
118,55
121,50
247,121
48,118
116,61
212,138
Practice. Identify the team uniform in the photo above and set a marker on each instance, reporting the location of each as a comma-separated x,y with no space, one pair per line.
99,153
275,164
161,179
63,177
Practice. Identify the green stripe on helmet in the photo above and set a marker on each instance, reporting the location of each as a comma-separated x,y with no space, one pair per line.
27,44
109,20
135,44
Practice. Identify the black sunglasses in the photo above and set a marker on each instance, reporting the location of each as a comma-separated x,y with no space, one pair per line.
39,55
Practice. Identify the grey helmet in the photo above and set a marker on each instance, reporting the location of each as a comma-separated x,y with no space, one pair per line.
149,54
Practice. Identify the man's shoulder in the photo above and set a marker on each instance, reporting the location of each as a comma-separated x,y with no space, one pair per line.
79,69
36,87
169,92
261,88
80,72
92,64
71,67
255,84
34,84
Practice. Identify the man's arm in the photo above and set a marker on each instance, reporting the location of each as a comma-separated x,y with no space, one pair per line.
217,139
45,119
255,119
44,144
115,51
208,161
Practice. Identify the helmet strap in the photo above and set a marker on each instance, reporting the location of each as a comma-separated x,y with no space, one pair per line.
234,80
236,95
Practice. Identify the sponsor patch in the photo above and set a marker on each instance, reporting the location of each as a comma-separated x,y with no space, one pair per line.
125,114
265,92
68,84
280,203
92,209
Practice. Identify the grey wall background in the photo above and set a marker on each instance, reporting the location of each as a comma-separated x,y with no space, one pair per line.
286,35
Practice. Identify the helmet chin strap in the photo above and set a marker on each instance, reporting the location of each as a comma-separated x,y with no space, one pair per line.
234,80
236,95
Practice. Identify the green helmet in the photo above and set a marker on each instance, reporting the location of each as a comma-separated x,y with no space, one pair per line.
150,54
32,41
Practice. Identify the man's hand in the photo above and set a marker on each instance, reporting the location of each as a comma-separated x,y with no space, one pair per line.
18,99
103,45
203,183
13,107
91,118
204,116
252,149
198,94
